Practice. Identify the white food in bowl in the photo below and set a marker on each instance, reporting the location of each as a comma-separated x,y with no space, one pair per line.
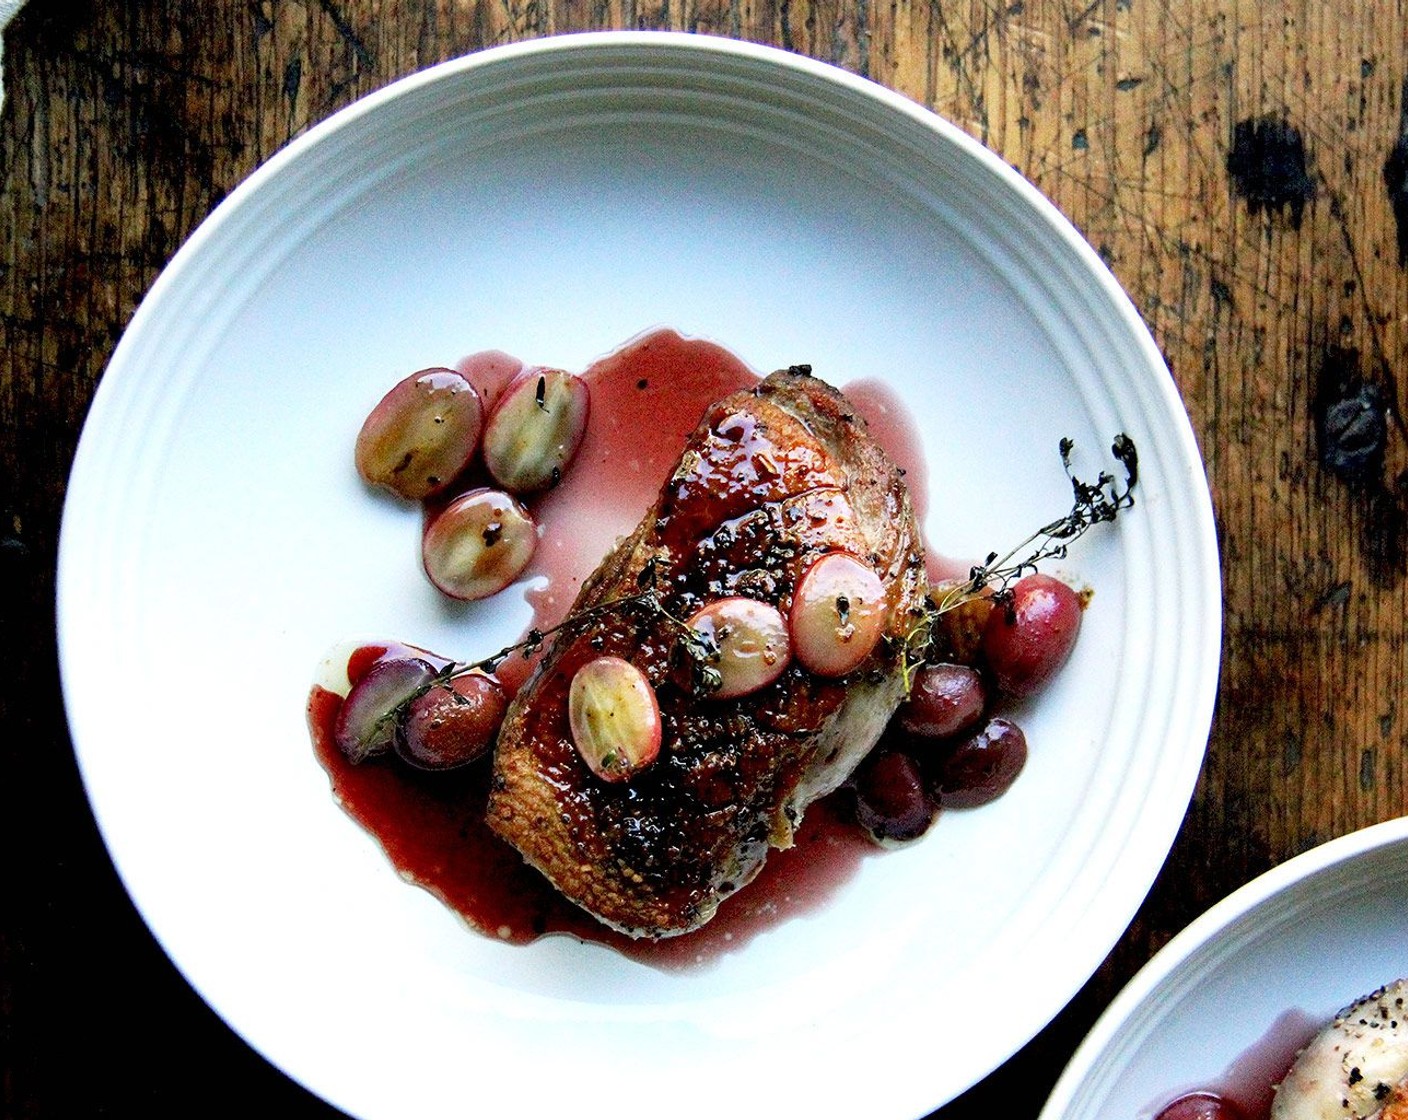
1356,1068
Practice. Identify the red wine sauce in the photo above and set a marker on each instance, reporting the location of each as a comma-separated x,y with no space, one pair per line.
892,427
645,399
432,827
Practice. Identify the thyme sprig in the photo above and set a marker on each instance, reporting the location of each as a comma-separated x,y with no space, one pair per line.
700,648
1093,503
528,645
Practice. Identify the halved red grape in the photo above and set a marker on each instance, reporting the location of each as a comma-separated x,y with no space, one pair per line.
838,614
367,722
753,643
421,434
1028,640
536,428
452,724
983,766
943,700
478,544
614,718
891,802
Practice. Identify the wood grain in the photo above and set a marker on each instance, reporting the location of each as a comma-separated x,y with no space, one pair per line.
1232,161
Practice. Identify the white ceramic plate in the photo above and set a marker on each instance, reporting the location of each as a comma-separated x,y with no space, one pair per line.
1304,940
553,199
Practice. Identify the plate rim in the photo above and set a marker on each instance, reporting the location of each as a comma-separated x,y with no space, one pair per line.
1241,905
1053,223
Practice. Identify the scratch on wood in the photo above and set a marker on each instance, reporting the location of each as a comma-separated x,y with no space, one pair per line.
1388,378
347,33
140,62
957,56
862,20
1366,768
1350,411
1221,296
293,78
1152,138
1334,597
262,23
1074,22
1351,417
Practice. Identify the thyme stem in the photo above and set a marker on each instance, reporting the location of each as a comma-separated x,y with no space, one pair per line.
1093,503
533,642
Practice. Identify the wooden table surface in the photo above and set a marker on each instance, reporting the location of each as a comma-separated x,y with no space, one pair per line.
1242,166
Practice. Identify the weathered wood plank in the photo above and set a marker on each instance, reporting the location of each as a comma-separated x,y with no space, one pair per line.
1232,161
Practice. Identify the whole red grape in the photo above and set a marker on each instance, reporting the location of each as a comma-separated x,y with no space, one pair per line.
983,766
891,803
1028,639
452,724
943,700
1201,1106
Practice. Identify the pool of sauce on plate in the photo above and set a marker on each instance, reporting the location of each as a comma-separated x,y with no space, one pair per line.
645,399
1246,1090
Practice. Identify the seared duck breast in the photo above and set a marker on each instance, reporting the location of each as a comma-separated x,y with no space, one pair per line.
771,481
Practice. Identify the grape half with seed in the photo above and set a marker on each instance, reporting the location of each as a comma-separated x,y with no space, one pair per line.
478,544
535,429
752,642
614,718
421,435
838,614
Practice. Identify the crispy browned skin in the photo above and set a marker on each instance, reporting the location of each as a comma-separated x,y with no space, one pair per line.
771,479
